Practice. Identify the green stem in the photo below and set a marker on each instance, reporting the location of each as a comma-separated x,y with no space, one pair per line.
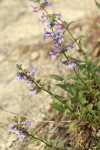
77,74
81,80
39,139
42,88
49,145
76,43
66,56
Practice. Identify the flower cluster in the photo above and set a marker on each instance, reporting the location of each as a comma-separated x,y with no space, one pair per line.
28,76
41,5
20,128
56,29
70,64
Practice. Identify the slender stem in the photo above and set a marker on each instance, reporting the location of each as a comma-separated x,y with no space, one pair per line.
78,75
42,88
39,139
81,80
43,8
66,56
49,145
76,43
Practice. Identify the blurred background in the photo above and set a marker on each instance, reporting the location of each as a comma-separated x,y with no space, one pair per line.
21,42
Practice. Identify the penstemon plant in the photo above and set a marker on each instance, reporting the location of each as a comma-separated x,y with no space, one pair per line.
82,83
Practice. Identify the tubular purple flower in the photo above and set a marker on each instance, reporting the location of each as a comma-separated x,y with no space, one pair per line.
12,128
31,69
27,78
46,3
71,45
46,34
53,54
51,23
56,46
59,15
36,8
18,66
63,62
57,37
60,39
32,91
60,31
26,123
71,65
43,18
19,76
21,134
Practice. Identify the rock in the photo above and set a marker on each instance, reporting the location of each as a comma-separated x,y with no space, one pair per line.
35,55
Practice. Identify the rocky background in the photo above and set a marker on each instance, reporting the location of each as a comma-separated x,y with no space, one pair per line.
21,41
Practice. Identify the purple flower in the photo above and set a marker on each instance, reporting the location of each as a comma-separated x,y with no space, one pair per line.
60,39
56,46
53,54
21,134
36,8
32,91
26,122
12,128
31,69
27,78
51,23
19,66
46,34
46,3
63,62
71,65
58,15
19,76
71,45
57,37
43,18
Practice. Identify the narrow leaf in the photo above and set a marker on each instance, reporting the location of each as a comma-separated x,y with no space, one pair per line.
97,4
58,107
56,77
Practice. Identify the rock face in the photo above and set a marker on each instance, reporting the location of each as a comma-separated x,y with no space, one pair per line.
21,41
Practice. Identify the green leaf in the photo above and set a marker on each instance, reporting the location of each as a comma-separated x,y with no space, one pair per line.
83,101
72,76
15,119
98,144
67,111
47,140
50,89
73,90
56,77
89,107
65,86
58,107
32,141
98,106
79,41
92,113
59,98
72,124
97,4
